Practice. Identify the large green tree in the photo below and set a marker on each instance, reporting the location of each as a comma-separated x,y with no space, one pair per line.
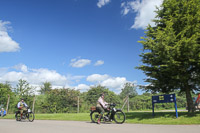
171,49
24,90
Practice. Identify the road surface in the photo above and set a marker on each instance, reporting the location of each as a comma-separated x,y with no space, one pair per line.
47,126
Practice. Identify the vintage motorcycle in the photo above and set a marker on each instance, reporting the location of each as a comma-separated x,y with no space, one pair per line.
112,114
26,115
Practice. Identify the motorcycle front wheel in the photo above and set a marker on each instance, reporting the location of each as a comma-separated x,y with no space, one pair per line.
94,115
119,117
31,116
18,116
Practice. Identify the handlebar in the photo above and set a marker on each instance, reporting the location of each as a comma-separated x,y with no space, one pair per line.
112,104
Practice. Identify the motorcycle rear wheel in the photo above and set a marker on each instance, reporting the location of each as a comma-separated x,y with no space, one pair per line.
94,116
18,116
119,117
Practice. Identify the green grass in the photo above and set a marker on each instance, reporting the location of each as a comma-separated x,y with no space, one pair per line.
58,116
167,118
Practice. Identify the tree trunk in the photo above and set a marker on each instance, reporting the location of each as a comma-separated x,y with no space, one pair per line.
128,104
190,103
33,108
78,105
7,104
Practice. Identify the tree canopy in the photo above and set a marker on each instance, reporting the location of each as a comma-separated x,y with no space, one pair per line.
45,88
171,49
129,89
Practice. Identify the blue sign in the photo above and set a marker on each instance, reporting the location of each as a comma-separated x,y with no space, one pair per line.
168,98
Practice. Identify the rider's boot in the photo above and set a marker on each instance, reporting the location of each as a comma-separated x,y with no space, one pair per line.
21,116
99,120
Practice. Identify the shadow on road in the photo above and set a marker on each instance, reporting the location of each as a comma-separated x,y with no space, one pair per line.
102,122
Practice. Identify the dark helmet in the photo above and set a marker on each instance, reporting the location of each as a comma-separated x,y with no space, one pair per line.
102,94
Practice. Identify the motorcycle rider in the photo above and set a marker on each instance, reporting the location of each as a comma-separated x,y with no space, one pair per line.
22,106
101,106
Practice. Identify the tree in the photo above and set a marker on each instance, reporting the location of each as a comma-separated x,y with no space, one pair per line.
94,93
128,90
60,101
23,88
46,88
171,49
5,90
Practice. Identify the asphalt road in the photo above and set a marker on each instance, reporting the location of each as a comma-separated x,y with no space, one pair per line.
47,126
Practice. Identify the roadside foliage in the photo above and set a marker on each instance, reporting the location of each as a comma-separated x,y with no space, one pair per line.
66,100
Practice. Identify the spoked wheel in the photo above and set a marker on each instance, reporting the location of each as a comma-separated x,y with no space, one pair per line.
18,116
94,116
119,117
31,116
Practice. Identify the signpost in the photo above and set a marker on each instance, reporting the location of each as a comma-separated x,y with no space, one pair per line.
168,98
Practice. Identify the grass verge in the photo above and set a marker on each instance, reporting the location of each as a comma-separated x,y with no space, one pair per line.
166,118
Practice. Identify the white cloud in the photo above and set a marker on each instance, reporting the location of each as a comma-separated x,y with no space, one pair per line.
99,62
21,67
126,8
79,62
12,77
144,11
108,81
75,78
97,77
3,71
116,82
43,75
82,87
102,3
6,42
34,76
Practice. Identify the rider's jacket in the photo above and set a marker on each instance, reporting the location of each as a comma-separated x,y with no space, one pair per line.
21,104
101,103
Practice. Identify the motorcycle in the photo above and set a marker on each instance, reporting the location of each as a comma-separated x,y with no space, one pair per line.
28,114
111,114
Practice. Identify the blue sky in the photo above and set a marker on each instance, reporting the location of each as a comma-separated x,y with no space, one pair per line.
73,43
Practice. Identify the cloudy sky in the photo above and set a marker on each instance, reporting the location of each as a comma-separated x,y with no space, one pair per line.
73,43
